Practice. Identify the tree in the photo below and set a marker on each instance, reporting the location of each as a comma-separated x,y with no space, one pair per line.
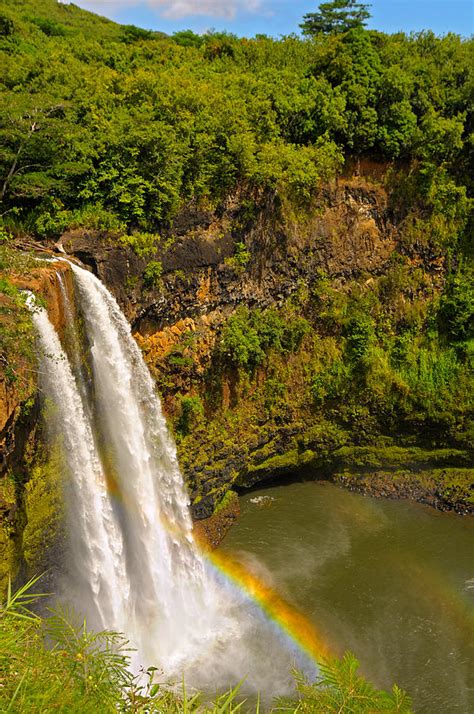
31,135
334,17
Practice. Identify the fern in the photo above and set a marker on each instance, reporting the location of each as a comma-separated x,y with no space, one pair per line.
340,690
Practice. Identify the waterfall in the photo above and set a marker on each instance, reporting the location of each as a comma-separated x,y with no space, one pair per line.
96,543
134,565
169,593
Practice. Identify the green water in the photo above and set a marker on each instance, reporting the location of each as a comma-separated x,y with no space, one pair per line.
392,581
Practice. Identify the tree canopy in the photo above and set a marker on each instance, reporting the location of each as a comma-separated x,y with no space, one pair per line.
108,126
335,16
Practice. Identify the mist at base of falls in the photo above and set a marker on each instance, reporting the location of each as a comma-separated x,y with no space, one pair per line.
132,563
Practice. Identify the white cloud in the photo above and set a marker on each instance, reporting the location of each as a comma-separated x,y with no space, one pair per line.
176,9
212,8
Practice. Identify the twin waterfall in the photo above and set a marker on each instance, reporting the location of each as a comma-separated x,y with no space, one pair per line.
133,564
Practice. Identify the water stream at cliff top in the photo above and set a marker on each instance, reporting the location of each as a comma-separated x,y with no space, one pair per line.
133,564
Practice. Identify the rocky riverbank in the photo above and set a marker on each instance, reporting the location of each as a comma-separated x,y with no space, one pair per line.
444,489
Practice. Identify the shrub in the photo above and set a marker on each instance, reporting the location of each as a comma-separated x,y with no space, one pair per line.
359,333
131,33
177,359
152,274
240,342
296,171
295,332
7,26
249,335
143,244
240,258
94,215
191,411
456,312
274,392
51,28
331,382
270,328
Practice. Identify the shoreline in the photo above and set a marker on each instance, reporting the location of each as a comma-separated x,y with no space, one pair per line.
444,490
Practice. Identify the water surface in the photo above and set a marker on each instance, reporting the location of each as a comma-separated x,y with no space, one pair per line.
392,581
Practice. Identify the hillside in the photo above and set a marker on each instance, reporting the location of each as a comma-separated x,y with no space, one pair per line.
115,127
287,224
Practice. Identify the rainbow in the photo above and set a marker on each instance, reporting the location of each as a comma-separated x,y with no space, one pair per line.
430,584
293,624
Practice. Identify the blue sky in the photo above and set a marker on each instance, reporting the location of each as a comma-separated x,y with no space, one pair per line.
279,17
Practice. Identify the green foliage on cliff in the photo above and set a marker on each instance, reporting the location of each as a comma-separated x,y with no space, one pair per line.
56,664
16,333
152,274
380,369
43,509
404,355
456,313
377,360
191,411
432,208
240,258
249,335
9,554
112,126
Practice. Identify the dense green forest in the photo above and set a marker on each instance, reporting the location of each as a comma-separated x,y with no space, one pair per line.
114,127
119,127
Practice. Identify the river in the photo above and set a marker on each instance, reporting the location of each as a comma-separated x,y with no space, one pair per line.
392,581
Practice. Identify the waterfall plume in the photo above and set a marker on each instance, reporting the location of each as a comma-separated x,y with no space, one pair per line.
134,566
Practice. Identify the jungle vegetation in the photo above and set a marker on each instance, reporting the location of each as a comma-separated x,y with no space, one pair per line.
113,127
116,127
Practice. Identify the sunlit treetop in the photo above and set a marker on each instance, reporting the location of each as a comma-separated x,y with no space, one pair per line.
334,17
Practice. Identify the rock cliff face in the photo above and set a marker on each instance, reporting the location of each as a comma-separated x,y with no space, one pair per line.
237,427
349,231
257,254
19,418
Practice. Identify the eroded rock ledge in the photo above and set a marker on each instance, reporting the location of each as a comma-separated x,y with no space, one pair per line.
351,235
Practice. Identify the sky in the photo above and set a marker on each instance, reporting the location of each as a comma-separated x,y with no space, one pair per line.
279,17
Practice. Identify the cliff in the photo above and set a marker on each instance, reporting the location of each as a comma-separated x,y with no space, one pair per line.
343,288
281,341
23,463
347,232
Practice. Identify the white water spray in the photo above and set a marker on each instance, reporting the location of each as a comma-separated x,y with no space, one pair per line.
136,568
96,541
